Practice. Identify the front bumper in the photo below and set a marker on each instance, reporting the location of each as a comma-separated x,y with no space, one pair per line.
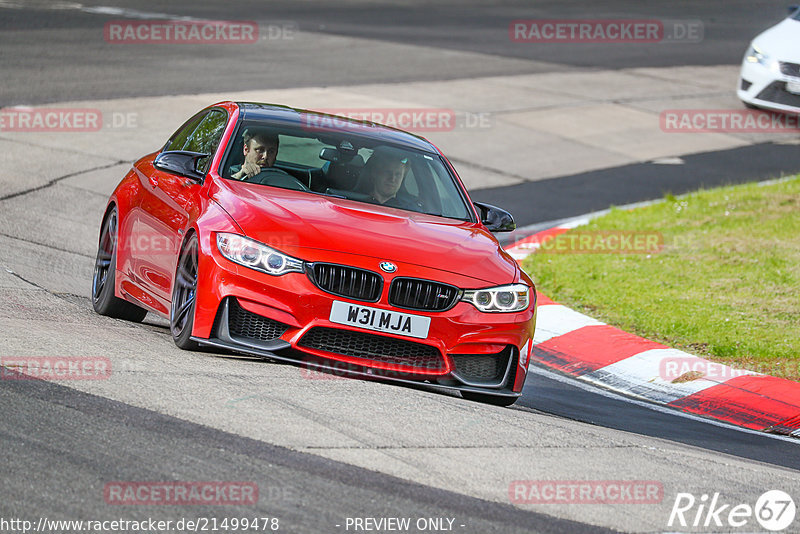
768,87
287,318
336,369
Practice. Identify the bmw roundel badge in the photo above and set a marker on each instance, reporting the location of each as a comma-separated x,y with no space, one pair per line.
388,267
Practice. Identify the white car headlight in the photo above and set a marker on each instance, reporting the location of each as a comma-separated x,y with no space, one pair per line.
255,255
756,55
501,299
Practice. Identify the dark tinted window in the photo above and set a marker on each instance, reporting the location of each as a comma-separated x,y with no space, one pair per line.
206,137
178,139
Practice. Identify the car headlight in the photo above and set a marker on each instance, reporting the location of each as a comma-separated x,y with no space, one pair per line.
255,255
756,55
502,299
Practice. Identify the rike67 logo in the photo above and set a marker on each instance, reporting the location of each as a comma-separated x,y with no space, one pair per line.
774,510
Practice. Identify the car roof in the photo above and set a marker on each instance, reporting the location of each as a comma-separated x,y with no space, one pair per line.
302,118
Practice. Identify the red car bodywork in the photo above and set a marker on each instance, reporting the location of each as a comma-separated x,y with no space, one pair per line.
158,210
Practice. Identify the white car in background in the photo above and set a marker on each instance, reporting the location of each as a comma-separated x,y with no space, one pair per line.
770,76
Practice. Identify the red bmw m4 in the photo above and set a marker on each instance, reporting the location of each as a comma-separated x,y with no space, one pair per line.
340,245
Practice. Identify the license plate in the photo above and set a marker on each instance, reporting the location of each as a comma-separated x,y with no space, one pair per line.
793,87
402,324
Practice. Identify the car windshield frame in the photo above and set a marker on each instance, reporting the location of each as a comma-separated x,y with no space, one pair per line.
358,141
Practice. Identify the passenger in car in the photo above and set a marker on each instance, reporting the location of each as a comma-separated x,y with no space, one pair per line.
383,175
260,152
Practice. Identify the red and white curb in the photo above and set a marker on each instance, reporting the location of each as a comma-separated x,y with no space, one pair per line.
528,245
594,352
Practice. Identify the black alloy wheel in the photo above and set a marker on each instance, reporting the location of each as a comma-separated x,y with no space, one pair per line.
104,301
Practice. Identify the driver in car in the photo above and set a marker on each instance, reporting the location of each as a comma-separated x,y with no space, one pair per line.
260,152
386,169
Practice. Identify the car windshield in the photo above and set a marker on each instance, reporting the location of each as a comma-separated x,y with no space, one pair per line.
344,165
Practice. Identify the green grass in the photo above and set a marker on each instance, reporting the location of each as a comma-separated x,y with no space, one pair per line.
726,284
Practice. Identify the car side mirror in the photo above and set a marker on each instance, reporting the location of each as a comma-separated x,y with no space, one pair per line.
495,219
180,162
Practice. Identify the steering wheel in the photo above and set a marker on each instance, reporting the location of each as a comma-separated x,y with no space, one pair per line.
277,178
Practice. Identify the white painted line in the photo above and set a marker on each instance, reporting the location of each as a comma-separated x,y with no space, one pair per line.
98,10
667,161
525,249
574,223
553,320
518,256
576,382
132,13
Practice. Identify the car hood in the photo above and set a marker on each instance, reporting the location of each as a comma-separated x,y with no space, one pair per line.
295,222
782,41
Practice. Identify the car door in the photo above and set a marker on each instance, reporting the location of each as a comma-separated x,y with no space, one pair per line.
168,204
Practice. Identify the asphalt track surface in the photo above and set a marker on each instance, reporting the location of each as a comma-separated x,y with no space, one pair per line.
54,58
560,397
69,439
316,494
579,194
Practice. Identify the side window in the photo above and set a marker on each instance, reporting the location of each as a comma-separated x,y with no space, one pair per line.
206,137
178,139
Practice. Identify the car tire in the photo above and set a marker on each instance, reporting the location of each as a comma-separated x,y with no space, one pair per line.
104,301
184,295
495,400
